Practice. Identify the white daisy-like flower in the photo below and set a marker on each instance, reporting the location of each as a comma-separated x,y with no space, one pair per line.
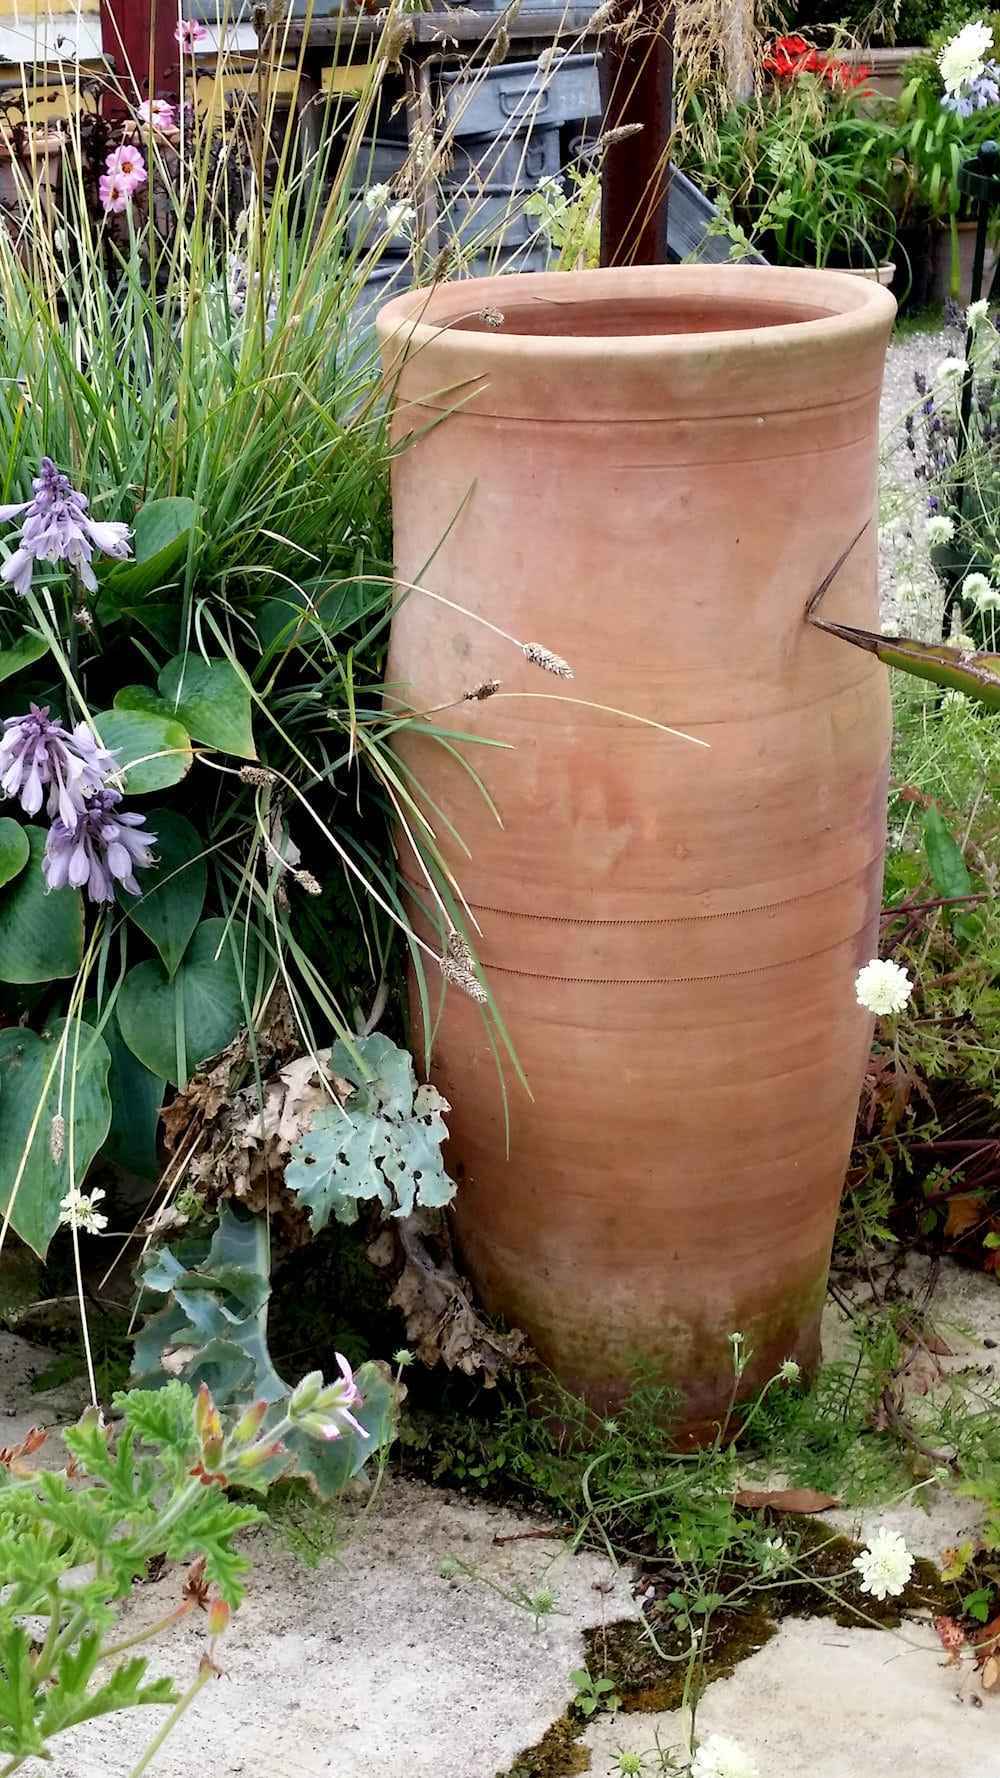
376,196
978,312
883,986
963,56
953,698
399,215
885,1565
789,1370
950,370
967,644
939,528
719,1756
974,587
79,1210
988,601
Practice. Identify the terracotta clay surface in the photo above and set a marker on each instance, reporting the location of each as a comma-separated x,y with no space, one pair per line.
648,471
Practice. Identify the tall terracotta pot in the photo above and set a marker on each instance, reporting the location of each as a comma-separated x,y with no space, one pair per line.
649,471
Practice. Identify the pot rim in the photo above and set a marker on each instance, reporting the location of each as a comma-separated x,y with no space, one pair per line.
426,316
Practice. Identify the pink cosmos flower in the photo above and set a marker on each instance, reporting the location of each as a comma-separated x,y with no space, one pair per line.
115,193
126,163
158,112
189,33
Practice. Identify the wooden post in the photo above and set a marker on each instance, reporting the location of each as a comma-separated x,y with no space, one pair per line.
636,88
738,49
138,37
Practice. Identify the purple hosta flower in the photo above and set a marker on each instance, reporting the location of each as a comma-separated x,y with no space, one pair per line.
103,849
39,755
324,1410
57,528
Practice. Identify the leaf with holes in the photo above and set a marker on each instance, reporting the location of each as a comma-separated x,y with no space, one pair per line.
173,889
41,931
35,1088
212,699
384,1142
172,1023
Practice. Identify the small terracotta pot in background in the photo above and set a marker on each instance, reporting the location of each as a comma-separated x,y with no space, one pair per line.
649,471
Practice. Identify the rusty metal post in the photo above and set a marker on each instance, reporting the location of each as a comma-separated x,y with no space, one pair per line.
138,37
637,88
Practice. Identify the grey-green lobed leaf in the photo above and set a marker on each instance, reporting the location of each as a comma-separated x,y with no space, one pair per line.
384,1143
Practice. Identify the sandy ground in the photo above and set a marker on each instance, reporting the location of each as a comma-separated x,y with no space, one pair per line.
373,1664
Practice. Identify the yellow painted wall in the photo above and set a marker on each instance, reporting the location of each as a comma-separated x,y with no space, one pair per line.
22,12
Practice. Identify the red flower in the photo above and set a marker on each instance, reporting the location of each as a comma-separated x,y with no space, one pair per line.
846,75
792,55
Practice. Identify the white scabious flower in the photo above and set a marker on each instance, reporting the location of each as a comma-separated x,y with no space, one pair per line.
974,587
953,699
939,528
950,370
79,1210
989,600
399,215
963,57
885,1565
719,1756
967,644
773,1555
978,312
376,196
789,1370
883,987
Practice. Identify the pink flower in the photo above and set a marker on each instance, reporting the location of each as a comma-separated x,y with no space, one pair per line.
190,33
115,193
158,112
126,163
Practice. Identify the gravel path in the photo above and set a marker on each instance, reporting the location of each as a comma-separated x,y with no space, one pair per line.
911,594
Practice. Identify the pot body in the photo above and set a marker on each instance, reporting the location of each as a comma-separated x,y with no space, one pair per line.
649,471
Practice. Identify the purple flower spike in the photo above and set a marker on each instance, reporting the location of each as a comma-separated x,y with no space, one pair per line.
56,528
103,849
38,755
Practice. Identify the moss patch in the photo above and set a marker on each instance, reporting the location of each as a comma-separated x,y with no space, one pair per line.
645,1683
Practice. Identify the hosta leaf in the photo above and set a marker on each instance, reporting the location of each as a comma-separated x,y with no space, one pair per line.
41,932
173,889
136,1098
172,1023
14,849
22,653
160,545
384,1143
154,751
212,699
33,1171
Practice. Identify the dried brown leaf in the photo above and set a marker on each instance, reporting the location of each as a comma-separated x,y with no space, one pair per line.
786,1500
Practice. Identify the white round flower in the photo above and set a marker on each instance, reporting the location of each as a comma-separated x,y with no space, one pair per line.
967,644
773,1555
988,601
939,528
953,699
974,587
963,55
399,215
883,987
376,196
885,1565
79,1210
950,370
721,1757
789,1370
978,312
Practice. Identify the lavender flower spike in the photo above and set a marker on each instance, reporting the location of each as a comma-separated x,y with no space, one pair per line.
102,850
39,755
56,528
